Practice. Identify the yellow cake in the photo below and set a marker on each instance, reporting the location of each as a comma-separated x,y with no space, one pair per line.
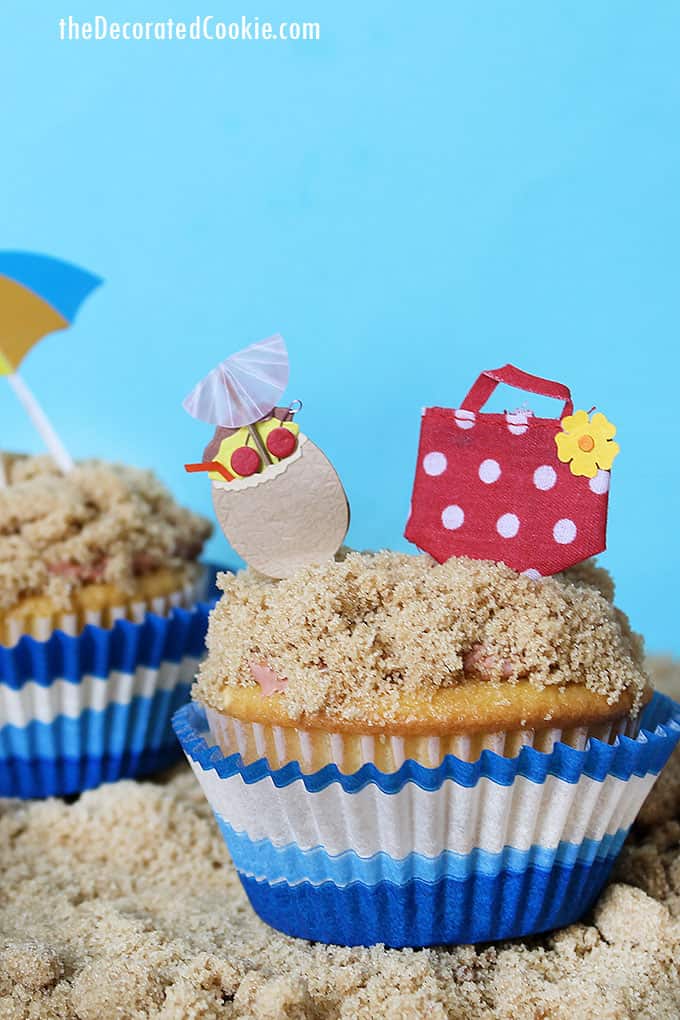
387,656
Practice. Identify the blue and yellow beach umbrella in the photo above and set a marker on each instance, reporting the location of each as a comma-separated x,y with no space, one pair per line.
38,295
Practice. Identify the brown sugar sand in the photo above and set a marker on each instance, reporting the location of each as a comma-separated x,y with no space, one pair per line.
105,523
124,905
351,636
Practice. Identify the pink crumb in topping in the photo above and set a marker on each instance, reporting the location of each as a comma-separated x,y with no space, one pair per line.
478,660
267,679
79,571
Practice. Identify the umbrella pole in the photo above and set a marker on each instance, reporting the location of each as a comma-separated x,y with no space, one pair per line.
259,445
41,422
3,472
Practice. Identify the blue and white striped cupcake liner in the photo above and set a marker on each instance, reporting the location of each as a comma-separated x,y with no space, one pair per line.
464,852
80,710
42,627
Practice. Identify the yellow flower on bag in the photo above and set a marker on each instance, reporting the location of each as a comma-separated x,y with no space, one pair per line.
586,443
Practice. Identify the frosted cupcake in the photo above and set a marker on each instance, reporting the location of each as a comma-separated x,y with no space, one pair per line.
415,753
101,623
414,750
427,659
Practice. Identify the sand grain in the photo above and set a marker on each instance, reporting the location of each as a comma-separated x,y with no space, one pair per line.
124,906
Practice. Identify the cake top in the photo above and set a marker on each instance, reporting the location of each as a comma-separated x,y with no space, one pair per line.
99,523
347,638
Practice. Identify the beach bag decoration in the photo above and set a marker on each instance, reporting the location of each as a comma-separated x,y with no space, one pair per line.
514,488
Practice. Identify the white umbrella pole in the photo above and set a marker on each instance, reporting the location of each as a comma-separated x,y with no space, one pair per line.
42,423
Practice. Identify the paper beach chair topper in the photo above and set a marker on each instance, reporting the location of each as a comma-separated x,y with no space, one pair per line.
514,488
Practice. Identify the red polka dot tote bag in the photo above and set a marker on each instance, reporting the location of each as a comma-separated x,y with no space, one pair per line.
525,491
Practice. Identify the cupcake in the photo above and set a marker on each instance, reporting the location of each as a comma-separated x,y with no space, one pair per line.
436,748
427,659
101,623
405,752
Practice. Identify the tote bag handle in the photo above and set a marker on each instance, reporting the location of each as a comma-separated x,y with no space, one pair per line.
511,376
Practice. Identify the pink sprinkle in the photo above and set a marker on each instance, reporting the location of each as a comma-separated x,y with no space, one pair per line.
267,679
478,660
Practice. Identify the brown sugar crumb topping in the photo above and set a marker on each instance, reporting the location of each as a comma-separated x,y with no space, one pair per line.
352,636
100,523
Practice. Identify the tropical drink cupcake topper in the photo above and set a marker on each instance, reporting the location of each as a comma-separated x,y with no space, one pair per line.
277,497
38,295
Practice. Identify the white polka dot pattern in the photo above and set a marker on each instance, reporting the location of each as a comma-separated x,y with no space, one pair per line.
600,483
452,517
434,463
489,471
464,419
545,477
517,422
507,525
564,531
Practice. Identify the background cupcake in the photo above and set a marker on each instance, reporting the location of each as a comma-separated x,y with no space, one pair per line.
101,622
102,543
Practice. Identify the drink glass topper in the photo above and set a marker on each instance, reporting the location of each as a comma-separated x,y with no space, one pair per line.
279,501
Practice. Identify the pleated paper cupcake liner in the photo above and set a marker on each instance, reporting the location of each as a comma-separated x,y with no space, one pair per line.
79,710
41,627
468,851
349,751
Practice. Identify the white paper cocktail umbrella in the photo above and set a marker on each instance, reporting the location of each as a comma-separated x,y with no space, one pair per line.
244,387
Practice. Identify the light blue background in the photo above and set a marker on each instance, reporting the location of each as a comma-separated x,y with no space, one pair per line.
428,191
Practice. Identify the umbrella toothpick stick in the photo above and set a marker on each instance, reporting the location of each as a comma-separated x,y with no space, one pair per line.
41,422
259,445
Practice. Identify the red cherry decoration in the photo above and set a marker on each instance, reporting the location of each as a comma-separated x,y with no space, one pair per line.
245,461
281,442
